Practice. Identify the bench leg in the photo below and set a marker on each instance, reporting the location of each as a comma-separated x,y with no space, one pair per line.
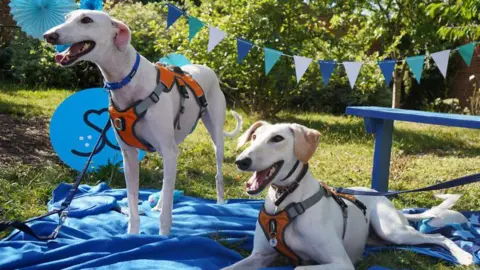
383,130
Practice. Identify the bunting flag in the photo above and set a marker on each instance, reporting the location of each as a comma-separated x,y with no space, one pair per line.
243,47
173,14
301,65
387,67
271,57
466,51
215,36
416,65
352,69
441,59
326,68
194,25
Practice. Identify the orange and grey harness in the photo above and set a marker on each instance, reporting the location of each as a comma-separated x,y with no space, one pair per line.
124,121
274,226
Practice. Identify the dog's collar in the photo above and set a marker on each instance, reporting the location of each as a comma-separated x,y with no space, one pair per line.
283,191
126,80
291,171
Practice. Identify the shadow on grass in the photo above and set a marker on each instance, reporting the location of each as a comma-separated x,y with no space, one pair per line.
410,142
18,109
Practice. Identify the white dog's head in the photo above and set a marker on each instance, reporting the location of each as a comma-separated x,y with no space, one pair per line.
92,35
273,152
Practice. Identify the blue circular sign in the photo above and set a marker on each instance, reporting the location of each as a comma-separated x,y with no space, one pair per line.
76,126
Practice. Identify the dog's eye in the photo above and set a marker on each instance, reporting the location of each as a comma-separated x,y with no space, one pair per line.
86,20
277,139
254,137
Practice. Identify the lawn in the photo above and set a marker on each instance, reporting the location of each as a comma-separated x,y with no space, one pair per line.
422,155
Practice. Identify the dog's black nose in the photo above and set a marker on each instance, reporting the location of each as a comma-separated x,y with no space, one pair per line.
244,164
51,38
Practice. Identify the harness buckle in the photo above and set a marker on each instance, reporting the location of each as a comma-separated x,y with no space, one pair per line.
154,97
119,123
294,210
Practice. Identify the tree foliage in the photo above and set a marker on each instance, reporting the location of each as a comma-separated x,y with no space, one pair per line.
460,19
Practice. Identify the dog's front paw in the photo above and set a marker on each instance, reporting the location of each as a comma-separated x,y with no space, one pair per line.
165,230
220,201
133,227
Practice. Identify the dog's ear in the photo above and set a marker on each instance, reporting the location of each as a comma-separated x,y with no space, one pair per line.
306,142
247,136
122,35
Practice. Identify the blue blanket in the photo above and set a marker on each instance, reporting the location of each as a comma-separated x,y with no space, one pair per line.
94,234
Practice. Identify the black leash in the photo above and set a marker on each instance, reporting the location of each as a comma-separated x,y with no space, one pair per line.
465,180
64,208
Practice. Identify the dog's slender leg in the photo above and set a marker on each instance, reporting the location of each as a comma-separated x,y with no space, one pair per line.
391,226
214,120
216,132
131,171
406,235
254,261
170,156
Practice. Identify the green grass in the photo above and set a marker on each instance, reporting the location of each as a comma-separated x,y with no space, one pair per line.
27,102
421,155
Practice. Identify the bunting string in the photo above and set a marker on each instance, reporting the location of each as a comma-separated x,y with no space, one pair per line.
327,67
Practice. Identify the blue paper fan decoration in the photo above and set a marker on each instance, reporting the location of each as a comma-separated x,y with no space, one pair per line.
35,17
91,4
175,59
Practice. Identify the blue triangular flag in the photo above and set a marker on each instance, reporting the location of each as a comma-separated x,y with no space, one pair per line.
326,68
416,65
194,25
387,67
243,47
466,51
271,57
173,14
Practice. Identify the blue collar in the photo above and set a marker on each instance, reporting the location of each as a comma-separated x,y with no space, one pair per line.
126,80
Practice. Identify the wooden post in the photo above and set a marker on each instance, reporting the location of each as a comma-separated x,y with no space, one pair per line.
397,87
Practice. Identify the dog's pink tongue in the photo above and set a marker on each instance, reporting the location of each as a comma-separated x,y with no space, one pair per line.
256,180
59,57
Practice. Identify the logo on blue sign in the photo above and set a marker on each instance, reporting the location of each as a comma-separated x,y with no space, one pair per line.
76,126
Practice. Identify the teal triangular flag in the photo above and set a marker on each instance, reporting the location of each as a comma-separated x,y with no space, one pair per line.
466,51
194,25
271,57
416,65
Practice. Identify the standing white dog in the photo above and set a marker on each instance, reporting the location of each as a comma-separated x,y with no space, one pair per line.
106,42
303,219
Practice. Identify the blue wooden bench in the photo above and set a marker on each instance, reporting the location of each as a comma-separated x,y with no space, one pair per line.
379,121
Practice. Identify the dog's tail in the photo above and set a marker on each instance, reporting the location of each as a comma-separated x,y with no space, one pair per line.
449,200
238,127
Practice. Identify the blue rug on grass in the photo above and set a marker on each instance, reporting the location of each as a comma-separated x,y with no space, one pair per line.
94,235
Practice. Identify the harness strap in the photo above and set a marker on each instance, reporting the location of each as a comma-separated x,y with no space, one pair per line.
295,209
274,226
154,97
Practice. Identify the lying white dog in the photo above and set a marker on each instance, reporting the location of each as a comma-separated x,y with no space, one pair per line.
305,221
106,42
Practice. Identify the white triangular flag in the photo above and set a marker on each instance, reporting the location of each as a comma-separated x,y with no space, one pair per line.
352,68
214,37
301,65
441,59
